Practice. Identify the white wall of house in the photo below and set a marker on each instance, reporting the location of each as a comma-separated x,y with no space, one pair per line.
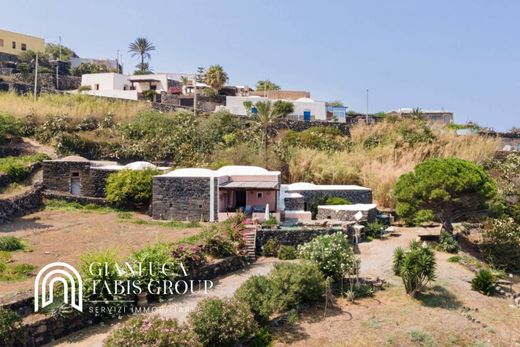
116,94
162,82
318,109
104,81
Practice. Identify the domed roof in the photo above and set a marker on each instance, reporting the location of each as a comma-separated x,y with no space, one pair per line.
305,100
140,165
241,170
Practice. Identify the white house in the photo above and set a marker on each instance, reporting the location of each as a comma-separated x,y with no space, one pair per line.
115,85
304,108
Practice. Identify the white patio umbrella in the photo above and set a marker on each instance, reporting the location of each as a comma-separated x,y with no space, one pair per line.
266,212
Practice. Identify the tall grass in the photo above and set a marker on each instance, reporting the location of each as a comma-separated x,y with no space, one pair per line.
72,105
379,154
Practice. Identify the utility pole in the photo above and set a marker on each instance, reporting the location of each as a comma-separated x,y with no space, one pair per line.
367,108
195,95
36,77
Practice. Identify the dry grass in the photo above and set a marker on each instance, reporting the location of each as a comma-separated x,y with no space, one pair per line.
380,166
72,105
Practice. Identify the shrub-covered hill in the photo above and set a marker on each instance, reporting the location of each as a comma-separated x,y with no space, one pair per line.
373,155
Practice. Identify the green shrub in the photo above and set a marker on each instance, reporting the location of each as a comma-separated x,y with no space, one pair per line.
96,269
151,331
335,200
362,291
374,230
190,256
294,284
332,253
11,243
130,188
454,259
447,242
9,126
287,252
256,292
219,322
501,244
484,282
270,248
262,338
160,257
217,244
270,222
19,168
416,266
12,332
323,138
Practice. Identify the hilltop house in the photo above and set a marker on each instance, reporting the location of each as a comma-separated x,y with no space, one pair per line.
115,85
305,109
439,117
13,44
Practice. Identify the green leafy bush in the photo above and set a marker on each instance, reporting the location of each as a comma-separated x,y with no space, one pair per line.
501,244
160,257
484,282
151,331
19,168
270,248
190,256
335,200
416,266
9,126
98,268
294,284
256,292
332,253
287,252
130,188
217,244
323,138
12,332
219,322
11,243
374,230
447,242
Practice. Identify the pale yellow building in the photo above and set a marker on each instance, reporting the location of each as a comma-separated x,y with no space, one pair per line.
15,43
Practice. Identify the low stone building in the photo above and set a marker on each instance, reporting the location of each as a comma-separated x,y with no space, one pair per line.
210,195
346,213
78,176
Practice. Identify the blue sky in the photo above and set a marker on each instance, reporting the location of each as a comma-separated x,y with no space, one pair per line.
460,55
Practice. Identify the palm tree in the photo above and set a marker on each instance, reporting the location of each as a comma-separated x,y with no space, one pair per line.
416,113
264,85
142,47
266,116
216,77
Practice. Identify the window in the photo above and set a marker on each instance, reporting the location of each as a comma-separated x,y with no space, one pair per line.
14,45
259,195
1,42
24,47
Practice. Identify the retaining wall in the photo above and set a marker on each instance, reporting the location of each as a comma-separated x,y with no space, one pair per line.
18,206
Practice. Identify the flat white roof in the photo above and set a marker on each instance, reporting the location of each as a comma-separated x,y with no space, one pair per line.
354,207
232,170
303,186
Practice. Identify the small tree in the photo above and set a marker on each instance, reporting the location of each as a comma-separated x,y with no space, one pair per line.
483,282
283,107
448,188
216,77
416,266
264,85
266,116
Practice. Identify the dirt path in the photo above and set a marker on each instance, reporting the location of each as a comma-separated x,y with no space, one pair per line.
178,309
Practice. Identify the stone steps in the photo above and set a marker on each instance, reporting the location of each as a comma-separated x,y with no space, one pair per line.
250,240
